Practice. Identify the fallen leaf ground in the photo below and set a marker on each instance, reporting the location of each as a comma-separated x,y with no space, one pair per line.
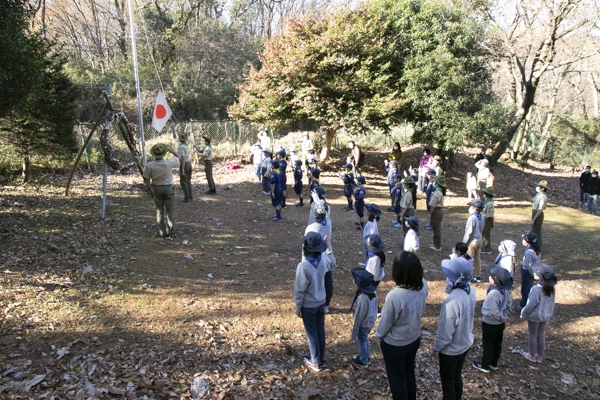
97,308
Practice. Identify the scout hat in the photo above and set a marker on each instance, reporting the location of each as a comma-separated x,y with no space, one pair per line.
184,136
158,150
440,180
267,150
316,172
457,270
489,191
543,184
413,222
320,191
275,164
532,239
393,162
320,209
546,273
374,209
398,176
314,243
360,179
281,152
431,172
508,246
298,162
501,277
348,166
476,203
408,180
364,280
373,244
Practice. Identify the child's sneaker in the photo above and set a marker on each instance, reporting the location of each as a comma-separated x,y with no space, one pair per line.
538,359
397,225
391,209
359,364
477,365
528,356
493,367
429,227
315,367
476,279
299,205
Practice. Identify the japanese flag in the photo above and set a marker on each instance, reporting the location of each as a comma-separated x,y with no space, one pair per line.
162,112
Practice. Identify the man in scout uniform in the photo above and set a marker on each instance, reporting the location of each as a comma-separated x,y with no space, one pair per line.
483,172
185,172
436,203
539,203
207,154
407,207
160,173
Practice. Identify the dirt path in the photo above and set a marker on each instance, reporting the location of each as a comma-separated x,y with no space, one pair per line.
107,309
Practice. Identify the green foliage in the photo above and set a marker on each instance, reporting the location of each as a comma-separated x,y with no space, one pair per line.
340,71
17,66
577,131
374,67
43,122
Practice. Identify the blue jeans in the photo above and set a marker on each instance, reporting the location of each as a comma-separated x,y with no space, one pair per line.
363,345
582,195
314,325
526,284
592,202
400,369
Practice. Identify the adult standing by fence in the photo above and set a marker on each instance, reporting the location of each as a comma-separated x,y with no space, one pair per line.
207,154
593,189
159,172
185,172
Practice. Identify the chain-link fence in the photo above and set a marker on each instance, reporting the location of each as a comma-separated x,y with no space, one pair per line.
228,139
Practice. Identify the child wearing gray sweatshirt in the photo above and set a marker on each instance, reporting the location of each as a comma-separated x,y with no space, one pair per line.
309,294
473,236
454,336
365,314
495,309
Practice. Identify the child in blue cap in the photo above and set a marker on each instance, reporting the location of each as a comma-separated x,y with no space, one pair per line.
365,314
359,201
349,184
281,155
314,182
298,181
265,170
392,170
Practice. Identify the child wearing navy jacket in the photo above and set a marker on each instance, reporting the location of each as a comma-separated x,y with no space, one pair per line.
396,197
314,182
359,201
392,170
298,181
275,181
281,155
349,184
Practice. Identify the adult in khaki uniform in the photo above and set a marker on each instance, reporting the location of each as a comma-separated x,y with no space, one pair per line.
539,203
160,173
185,172
407,207
436,204
207,154
483,173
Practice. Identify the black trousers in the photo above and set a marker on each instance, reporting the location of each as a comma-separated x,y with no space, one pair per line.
400,369
451,375
492,344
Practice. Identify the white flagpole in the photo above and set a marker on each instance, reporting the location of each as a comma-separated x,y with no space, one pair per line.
137,81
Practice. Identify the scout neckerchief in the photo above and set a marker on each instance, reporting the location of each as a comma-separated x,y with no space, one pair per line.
276,170
368,255
491,200
314,261
362,291
538,195
462,286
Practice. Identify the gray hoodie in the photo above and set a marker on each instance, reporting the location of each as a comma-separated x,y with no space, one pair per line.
539,307
473,228
365,314
496,307
309,287
400,322
455,325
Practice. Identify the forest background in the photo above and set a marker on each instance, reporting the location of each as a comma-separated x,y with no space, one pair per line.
538,59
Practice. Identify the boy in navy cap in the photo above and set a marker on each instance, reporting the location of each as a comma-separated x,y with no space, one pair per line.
276,193
298,181
359,201
349,184
314,181
365,314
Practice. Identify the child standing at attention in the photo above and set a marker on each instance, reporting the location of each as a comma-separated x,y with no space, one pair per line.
359,201
495,309
349,184
538,311
309,294
373,214
473,232
396,196
275,181
298,181
265,170
488,215
365,314
392,170
281,155
507,257
428,192
374,257
530,257
314,182
406,202
411,240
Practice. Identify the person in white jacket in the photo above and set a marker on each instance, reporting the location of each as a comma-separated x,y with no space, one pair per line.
454,336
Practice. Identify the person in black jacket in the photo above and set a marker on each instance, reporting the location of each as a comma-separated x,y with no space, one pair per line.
593,189
585,176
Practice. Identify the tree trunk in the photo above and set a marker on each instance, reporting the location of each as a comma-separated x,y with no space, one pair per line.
26,168
329,135
514,154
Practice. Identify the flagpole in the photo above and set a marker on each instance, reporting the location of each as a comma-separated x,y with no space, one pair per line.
137,82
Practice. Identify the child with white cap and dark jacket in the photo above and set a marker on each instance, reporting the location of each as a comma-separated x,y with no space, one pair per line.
495,309
454,336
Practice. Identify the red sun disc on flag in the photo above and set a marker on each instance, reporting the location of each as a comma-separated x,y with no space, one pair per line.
160,111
